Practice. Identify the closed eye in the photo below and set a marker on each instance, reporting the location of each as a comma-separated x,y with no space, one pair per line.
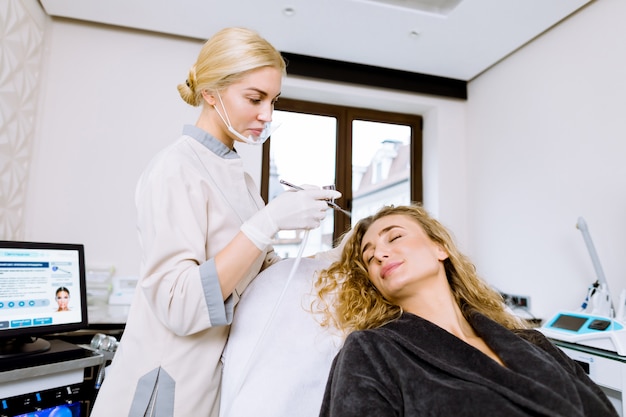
367,257
391,233
392,237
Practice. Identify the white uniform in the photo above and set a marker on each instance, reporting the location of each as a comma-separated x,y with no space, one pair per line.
191,201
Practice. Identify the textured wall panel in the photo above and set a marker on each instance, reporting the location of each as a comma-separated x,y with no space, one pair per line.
21,48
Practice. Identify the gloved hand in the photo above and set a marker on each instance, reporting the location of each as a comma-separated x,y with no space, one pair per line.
291,210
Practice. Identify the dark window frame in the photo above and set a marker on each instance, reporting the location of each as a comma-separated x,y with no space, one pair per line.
343,159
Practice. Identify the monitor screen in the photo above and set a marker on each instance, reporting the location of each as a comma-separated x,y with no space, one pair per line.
567,322
42,291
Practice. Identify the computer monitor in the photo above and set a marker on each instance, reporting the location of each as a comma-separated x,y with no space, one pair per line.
42,292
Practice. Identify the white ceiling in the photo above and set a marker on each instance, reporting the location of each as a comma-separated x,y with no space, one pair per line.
475,35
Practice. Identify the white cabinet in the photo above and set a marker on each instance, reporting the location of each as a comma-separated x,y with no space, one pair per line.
607,369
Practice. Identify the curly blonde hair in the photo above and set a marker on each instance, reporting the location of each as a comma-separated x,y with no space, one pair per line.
349,301
225,59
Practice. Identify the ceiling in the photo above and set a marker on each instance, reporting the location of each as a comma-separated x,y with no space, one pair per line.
459,44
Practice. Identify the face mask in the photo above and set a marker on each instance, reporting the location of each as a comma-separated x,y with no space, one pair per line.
267,130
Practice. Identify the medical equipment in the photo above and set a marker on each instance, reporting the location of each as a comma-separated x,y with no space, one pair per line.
107,346
31,273
600,297
607,370
58,382
331,203
621,309
589,330
595,325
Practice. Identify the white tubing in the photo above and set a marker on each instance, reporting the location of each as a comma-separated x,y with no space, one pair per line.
249,362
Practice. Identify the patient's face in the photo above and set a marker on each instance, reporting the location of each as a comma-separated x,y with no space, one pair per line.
401,260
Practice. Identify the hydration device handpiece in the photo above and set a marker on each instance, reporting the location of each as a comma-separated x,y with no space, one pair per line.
330,203
105,345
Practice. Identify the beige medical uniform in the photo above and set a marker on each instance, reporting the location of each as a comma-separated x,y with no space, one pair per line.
191,201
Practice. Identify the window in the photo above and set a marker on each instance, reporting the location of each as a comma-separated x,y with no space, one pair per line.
374,158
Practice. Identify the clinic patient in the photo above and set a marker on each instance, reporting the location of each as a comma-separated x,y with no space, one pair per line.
427,337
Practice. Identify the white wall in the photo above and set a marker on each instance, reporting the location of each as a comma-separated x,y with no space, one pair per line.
109,103
546,144
22,30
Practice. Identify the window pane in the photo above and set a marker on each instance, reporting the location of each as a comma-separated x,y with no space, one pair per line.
302,151
381,166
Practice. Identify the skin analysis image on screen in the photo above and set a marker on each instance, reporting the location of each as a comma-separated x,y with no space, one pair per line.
42,290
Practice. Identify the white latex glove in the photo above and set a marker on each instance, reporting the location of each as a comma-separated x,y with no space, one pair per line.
291,210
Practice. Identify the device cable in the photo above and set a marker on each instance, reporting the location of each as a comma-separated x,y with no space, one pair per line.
249,362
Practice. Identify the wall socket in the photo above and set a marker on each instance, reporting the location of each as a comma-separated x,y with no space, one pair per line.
516,301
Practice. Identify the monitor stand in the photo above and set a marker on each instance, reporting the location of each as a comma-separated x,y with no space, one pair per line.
58,351
23,346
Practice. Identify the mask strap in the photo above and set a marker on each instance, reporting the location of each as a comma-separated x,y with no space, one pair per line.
227,120
269,128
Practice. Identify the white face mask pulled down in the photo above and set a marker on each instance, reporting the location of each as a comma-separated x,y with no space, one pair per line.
268,129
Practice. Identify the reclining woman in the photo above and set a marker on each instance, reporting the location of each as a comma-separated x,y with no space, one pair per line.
427,337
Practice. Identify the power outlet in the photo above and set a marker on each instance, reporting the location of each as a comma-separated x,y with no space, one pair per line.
516,301
520,301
